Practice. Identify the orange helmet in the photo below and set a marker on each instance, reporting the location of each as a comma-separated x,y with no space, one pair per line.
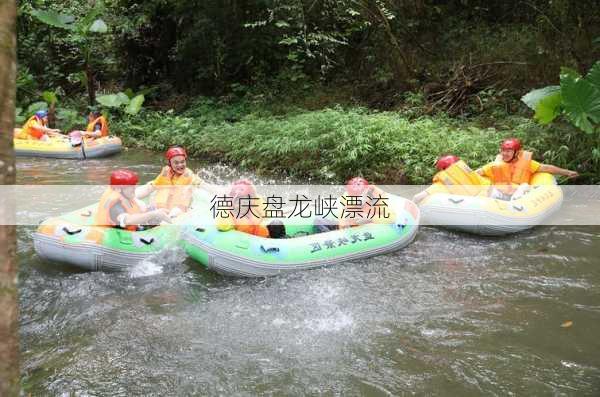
511,144
123,177
357,186
446,161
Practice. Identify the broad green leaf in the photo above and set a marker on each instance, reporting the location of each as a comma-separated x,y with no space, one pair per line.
110,100
99,26
548,108
593,76
532,98
123,98
135,105
581,102
66,114
18,111
53,18
34,107
50,97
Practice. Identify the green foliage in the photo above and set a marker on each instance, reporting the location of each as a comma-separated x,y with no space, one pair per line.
548,108
53,18
581,101
122,101
532,98
577,98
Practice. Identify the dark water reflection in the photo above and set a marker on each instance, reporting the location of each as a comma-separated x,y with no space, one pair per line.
451,314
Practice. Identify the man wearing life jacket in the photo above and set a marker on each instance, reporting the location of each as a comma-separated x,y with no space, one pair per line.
37,128
511,172
173,185
97,125
454,176
118,206
247,218
367,198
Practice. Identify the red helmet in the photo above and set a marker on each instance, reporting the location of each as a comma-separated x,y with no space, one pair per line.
511,144
446,161
357,186
123,177
242,187
175,151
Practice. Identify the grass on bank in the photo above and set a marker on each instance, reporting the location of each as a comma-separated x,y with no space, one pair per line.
333,144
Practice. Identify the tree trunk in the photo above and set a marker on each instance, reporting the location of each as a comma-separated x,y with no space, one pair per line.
9,342
91,83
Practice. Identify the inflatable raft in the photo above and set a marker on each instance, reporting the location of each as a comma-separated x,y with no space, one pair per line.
240,254
487,216
74,239
60,147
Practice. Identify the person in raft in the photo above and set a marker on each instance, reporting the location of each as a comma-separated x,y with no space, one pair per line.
97,126
37,128
511,171
359,201
454,176
245,218
173,185
118,206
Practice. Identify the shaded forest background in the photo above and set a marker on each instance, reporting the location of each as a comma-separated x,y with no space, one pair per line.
261,83
372,50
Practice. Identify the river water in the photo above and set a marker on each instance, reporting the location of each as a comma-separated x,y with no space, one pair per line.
451,314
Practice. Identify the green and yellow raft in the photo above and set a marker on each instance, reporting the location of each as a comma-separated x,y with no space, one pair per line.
73,238
238,254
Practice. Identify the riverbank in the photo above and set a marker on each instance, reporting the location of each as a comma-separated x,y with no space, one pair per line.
337,142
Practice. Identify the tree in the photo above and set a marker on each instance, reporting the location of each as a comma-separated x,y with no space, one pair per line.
9,343
83,32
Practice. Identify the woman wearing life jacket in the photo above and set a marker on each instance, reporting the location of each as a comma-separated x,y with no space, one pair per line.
97,126
174,184
118,206
511,172
37,127
247,218
454,176
363,203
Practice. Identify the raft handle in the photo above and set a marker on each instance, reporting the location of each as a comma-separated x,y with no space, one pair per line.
71,232
147,242
200,229
456,201
270,250
518,207
87,213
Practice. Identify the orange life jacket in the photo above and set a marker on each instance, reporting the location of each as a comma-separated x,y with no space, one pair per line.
31,129
459,178
168,196
103,126
508,176
248,224
109,199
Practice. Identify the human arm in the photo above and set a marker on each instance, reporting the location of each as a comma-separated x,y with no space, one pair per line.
143,191
552,169
151,217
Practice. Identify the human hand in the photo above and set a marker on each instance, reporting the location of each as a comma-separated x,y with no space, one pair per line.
572,174
162,214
